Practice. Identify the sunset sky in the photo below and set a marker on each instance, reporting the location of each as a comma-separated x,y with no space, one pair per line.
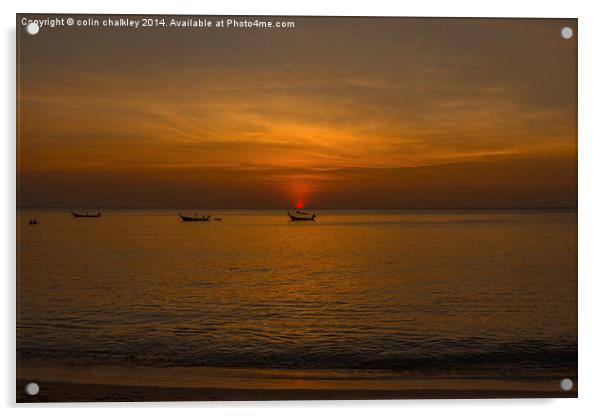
336,113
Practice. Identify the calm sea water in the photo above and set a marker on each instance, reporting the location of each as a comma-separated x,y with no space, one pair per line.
436,293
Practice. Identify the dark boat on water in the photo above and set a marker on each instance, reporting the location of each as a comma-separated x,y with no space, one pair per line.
195,218
86,215
301,218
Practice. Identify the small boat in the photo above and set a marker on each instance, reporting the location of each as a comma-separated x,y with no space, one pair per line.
86,215
195,218
33,222
298,218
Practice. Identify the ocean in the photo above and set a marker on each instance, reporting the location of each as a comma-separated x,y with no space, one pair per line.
356,296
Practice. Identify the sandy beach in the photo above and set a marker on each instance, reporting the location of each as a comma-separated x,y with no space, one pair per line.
76,383
75,392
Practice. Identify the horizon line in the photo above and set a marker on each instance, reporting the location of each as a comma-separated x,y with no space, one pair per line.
310,208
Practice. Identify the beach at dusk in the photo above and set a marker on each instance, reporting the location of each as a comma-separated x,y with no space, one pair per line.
343,208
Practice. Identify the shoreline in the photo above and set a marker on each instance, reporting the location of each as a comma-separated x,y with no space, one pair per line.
76,383
59,392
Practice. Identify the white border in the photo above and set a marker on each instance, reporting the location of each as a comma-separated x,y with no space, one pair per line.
590,201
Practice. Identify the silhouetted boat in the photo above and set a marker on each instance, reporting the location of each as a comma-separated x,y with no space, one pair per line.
297,218
195,218
86,215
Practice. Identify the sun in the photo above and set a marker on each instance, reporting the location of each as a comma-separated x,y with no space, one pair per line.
299,204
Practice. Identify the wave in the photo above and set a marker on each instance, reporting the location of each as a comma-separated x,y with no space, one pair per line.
526,357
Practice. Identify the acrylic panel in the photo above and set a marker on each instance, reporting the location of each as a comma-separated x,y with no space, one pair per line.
291,208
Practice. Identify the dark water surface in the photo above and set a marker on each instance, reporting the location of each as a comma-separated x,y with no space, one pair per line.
465,293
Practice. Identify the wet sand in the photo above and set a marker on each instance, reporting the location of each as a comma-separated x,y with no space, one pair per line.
76,383
75,392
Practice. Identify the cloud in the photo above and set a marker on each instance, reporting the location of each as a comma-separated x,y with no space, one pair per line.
332,95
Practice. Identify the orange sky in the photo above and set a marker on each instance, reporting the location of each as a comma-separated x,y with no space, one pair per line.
337,112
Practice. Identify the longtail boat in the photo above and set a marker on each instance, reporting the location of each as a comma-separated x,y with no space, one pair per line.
298,218
195,218
86,215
